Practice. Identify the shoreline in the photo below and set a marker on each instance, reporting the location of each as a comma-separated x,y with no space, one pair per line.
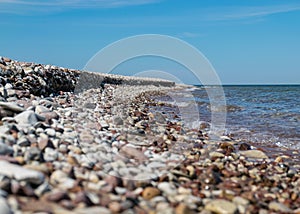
102,151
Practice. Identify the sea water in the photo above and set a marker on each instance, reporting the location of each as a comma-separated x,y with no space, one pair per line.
266,114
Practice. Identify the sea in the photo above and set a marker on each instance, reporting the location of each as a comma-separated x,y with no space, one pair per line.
260,114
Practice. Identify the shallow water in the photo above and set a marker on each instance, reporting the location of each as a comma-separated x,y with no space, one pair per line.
261,114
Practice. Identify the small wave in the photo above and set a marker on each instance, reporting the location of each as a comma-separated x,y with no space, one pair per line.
227,108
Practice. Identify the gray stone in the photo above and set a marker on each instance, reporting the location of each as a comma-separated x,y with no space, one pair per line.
61,180
26,118
104,124
279,207
44,187
50,132
3,193
4,129
50,154
32,154
11,106
221,206
118,120
5,149
23,141
120,190
4,207
41,109
255,154
167,188
20,173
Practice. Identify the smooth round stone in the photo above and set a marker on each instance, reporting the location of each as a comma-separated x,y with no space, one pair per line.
216,155
20,173
167,188
115,207
240,201
41,109
61,179
184,191
221,206
183,209
255,154
150,192
11,106
50,154
120,190
5,149
26,118
50,132
279,207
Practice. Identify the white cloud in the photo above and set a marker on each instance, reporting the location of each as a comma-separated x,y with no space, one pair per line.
21,6
236,13
189,35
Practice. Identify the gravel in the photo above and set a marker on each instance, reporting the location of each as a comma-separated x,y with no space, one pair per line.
67,148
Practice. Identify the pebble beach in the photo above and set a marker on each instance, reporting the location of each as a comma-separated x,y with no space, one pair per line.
99,148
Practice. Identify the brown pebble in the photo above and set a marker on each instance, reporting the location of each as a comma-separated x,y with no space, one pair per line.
72,160
20,160
150,192
280,159
244,147
183,209
115,207
82,197
294,196
113,181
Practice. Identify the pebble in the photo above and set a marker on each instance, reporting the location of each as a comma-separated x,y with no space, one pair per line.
92,210
118,120
50,132
20,173
132,152
183,209
115,207
216,155
50,154
120,190
23,142
221,206
41,109
255,154
11,107
5,149
4,207
150,192
279,207
240,201
26,118
167,188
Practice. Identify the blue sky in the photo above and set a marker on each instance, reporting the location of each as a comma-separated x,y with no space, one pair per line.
249,41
